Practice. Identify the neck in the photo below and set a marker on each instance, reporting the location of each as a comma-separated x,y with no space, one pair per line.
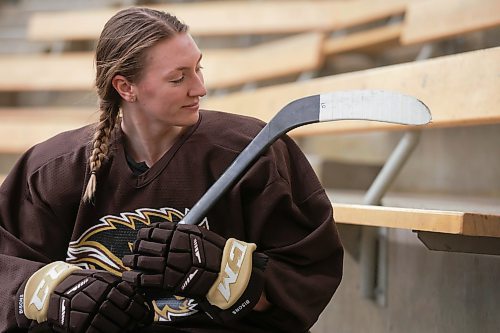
149,143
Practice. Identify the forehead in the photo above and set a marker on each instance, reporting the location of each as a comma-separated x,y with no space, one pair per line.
173,53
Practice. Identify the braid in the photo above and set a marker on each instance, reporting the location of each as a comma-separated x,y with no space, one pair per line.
100,146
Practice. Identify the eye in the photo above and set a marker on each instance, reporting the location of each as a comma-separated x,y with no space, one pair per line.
199,68
178,81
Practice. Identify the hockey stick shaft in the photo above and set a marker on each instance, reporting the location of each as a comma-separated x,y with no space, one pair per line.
301,112
280,124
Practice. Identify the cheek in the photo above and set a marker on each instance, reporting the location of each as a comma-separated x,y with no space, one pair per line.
149,90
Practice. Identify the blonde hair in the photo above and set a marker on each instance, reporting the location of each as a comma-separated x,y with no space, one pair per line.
121,50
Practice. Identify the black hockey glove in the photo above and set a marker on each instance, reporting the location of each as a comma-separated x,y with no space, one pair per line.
226,276
65,298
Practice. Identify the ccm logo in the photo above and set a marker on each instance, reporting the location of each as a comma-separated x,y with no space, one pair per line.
231,275
42,291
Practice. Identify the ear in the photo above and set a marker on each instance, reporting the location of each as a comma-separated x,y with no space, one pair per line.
124,87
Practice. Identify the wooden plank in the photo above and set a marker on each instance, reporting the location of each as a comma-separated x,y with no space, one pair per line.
47,72
429,20
222,68
22,128
288,56
222,18
447,85
449,222
376,37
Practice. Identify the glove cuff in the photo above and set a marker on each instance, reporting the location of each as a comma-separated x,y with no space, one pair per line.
33,299
249,297
234,274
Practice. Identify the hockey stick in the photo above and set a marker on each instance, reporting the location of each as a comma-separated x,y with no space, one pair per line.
373,105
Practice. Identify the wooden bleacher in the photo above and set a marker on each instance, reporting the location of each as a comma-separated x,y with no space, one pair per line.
378,37
428,21
222,18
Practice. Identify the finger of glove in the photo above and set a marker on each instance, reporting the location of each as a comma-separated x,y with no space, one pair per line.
203,233
97,290
78,321
123,295
201,286
150,248
180,242
55,315
139,311
162,232
72,284
205,254
145,263
130,260
84,303
126,289
141,279
119,316
104,324
213,238
189,229
213,256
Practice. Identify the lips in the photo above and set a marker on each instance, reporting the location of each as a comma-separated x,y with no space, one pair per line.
194,105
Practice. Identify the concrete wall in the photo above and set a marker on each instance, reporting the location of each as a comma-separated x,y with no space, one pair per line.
428,291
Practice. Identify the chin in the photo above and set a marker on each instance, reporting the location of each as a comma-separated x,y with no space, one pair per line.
192,118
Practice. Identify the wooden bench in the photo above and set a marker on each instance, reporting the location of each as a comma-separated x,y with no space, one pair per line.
222,68
378,37
427,21
21,128
223,18
438,229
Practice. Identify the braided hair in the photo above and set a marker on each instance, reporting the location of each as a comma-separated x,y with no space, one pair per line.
121,50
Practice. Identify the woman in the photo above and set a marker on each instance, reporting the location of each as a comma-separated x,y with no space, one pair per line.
84,207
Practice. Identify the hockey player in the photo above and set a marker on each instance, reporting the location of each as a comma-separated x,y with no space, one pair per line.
89,240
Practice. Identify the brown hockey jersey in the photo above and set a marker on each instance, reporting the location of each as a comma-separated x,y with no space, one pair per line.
279,204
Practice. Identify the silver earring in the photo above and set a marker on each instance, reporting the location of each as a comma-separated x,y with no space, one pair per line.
132,99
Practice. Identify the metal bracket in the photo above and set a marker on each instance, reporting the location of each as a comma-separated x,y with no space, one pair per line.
374,242
460,243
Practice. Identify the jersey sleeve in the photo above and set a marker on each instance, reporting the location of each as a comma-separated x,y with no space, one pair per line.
30,235
291,220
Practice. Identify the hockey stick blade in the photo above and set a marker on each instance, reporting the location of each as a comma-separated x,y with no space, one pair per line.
373,105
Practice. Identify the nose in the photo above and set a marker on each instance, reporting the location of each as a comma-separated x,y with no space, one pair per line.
198,88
